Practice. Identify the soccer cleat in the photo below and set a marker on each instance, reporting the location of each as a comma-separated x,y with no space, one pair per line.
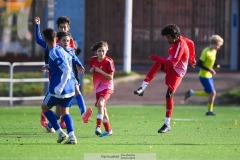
105,134
61,137
62,124
98,131
43,120
188,94
71,140
50,129
210,113
164,128
139,92
87,115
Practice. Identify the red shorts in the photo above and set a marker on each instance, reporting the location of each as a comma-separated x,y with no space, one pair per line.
105,94
172,79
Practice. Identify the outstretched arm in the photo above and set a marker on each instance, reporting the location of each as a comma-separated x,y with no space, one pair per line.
39,38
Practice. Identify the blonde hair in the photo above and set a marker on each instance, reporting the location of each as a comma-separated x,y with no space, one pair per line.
216,39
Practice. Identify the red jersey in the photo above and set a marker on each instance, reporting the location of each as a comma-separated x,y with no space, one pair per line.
178,56
99,81
191,48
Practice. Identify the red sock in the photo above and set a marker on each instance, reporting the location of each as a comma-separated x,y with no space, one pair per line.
99,123
152,72
107,126
169,107
61,119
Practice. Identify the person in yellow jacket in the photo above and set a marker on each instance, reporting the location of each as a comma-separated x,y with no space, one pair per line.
208,68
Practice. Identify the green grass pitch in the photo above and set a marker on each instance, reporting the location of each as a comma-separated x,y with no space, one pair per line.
193,136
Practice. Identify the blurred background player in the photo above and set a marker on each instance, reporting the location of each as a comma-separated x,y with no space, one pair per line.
102,67
175,67
206,64
61,88
63,24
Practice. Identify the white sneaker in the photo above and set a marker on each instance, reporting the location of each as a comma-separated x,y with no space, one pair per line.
71,140
50,129
139,92
62,136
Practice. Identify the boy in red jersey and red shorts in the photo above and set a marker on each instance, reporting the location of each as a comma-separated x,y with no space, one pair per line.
102,67
175,66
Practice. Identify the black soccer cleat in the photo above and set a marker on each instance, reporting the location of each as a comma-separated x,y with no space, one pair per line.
164,128
188,94
210,113
139,92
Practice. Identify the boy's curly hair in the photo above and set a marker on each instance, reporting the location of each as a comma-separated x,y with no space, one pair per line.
171,29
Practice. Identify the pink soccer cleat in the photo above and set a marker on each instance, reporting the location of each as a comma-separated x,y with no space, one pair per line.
87,115
43,120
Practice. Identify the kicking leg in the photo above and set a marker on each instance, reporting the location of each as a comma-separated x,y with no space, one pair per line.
150,75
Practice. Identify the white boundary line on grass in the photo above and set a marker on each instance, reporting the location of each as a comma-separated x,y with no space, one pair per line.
184,119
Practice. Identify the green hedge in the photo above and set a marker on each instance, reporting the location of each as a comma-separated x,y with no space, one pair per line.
22,89
37,88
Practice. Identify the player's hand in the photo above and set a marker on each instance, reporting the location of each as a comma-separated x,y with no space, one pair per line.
212,71
92,69
97,69
37,20
81,69
193,63
45,68
154,57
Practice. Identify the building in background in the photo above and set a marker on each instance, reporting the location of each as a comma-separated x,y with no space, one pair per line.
94,20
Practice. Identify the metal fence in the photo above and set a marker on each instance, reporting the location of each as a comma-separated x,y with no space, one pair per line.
11,81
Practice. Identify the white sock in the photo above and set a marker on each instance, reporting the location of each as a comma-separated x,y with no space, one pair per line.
104,120
144,85
167,121
99,116
71,134
59,131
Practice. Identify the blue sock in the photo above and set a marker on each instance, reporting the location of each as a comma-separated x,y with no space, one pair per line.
49,124
81,103
69,122
52,118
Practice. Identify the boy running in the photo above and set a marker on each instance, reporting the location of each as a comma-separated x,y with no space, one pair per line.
102,67
206,64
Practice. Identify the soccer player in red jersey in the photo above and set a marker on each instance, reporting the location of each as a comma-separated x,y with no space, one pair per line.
175,66
102,67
